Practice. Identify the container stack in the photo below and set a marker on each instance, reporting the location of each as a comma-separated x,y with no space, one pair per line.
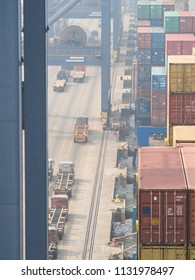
179,22
166,203
159,96
180,93
154,11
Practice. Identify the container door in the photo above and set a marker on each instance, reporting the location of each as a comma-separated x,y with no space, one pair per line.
151,217
191,216
175,221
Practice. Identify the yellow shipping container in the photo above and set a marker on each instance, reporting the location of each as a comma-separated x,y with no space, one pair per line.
162,253
180,134
191,252
181,74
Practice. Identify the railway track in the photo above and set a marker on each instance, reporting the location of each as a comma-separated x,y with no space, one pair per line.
95,200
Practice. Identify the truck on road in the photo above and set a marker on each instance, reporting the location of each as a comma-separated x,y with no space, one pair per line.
81,129
65,179
59,85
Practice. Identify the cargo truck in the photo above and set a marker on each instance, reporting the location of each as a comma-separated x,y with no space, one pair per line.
65,179
59,85
81,130
50,168
78,74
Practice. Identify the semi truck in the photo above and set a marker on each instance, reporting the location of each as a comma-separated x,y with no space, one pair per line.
81,129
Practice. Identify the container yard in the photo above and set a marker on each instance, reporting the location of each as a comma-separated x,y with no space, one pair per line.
108,138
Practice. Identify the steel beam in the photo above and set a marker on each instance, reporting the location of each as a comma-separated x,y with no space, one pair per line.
35,125
116,23
10,132
105,55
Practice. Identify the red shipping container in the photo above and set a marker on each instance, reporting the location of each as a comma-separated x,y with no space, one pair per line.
181,109
188,156
179,44
162,197
144,38
186,24
158,117
144,92
159,99
187,21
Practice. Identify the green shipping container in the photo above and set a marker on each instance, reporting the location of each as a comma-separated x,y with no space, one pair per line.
171,22
143,10
156,11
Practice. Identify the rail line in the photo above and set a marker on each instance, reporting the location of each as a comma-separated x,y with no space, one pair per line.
95,200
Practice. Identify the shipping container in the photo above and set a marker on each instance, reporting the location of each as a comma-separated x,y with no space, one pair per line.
143,23
191,252
181,109
143,108
188,157
158,37
156,22
187,22
144,132
144,37
143,10
158,79
162,253
182,134
159,100
158,116
162,197
144,73
144,56
181,74
179,44
156,11
158,57
171,22
143,91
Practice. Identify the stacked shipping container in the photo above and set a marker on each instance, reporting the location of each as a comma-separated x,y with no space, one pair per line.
158,96
181,89
179,22
166,202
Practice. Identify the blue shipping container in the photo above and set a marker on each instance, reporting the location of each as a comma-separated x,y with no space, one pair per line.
144,73
158,38
156,22
158,57
144,56
158,79
143,106
143,133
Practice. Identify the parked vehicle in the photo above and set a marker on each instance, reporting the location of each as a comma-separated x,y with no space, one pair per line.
50,168
59,85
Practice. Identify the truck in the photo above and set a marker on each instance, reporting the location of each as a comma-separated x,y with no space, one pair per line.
50,169
65,179
57,217
63,75
59,85
81,129
78,74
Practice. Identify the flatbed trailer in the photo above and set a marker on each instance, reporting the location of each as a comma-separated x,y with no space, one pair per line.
57,219
63,184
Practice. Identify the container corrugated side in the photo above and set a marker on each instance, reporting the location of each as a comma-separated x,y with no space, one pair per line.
162,253
188,156
161,197
183,134
144,132
191,252
181,109
181,74
171,22
179,44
